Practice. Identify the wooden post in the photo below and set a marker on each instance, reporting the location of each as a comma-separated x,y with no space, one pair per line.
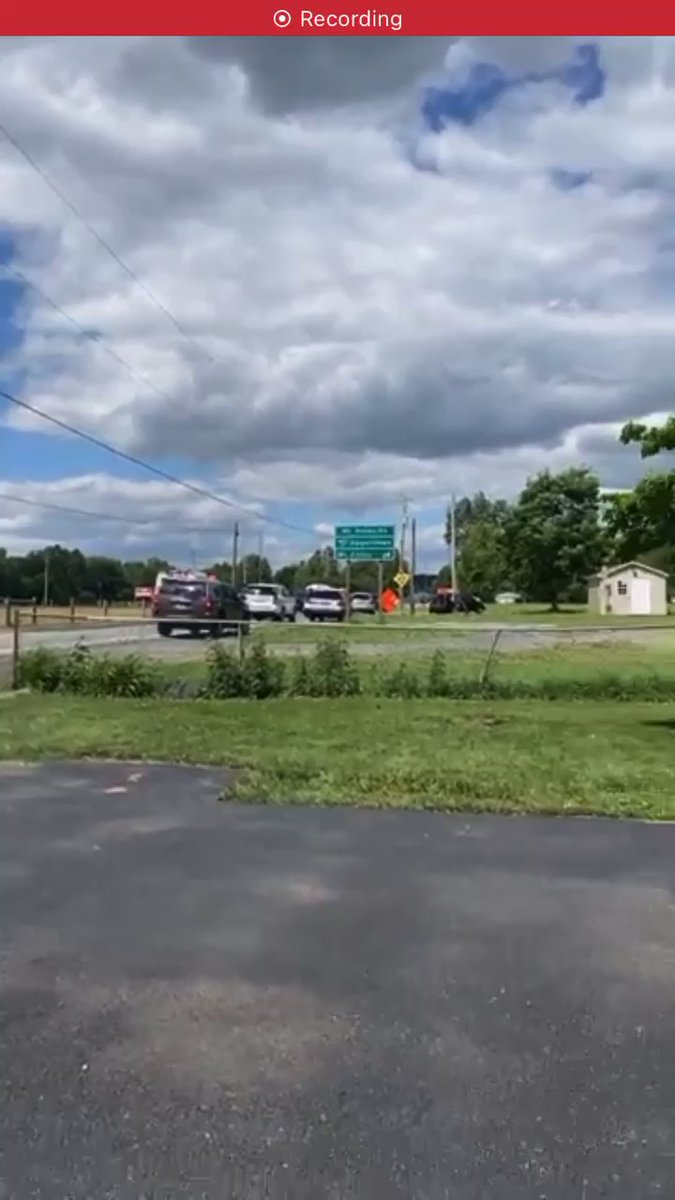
485,673
380,589
72,612
15,648
8,613
34,614
240,642
106,608
413,565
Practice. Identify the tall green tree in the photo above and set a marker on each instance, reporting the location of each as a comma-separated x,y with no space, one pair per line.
480,543
554,535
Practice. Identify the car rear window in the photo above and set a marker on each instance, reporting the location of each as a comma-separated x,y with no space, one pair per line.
172,587
261,590
324,594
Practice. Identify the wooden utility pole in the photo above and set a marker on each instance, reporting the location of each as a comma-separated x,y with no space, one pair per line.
413,564
45,590
235,550
404,531
453,545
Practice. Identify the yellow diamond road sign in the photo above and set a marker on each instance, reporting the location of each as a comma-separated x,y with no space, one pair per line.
401,579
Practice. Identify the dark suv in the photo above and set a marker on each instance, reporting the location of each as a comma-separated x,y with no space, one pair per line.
181,604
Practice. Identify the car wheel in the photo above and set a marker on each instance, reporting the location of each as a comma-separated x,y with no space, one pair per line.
164,630
194,631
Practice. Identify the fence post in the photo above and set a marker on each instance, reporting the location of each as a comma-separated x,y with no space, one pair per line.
15,648
485,673
8,613
72,612
240,641
34,614
106,608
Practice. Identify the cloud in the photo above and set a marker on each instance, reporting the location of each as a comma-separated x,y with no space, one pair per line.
372,307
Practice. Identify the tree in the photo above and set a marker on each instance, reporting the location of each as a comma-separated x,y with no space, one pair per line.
652,439
554,536
255,569
644,519
482,565
480,549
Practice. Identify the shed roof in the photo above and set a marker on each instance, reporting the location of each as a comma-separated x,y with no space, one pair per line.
607,571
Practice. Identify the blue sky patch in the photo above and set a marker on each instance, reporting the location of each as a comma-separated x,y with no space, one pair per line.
486,83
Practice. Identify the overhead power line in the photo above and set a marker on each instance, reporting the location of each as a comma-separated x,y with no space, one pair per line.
91,229
101,516
88,333
147,466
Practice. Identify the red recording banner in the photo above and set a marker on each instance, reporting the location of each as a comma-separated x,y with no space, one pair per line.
332,18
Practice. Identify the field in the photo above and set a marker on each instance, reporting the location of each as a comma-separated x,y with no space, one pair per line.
613,759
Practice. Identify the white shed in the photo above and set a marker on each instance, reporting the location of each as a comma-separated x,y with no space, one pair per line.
631,589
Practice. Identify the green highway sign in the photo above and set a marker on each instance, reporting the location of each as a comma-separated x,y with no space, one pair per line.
365,543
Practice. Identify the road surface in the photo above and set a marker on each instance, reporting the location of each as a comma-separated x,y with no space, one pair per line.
204,1000
142,637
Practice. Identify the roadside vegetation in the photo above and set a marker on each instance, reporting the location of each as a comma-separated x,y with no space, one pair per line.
618,671
605,758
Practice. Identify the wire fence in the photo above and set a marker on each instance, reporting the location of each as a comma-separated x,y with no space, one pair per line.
477,650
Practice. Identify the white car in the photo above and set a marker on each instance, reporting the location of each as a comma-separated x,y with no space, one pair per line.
324,604
268,601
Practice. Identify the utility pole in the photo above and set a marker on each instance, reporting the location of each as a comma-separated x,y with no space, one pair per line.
453,545
235,547
413,564
45,590
404,531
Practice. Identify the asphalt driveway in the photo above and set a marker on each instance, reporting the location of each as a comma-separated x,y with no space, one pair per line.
199,999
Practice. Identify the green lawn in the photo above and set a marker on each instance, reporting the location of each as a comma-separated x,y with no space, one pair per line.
631,662
613,759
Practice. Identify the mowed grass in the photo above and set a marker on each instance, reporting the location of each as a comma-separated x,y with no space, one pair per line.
611,759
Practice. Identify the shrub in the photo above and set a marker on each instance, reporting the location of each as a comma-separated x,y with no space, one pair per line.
332,671
437,681
41,669
79,672
262,676
301,678
224,674
402,683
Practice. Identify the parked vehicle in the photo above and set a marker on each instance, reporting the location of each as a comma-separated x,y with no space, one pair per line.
181,603
449,602
269,601
363,602
324,604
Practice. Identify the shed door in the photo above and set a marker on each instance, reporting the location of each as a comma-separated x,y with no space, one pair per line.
640,597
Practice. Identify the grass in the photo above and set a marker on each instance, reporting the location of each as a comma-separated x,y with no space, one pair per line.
609,759
632,663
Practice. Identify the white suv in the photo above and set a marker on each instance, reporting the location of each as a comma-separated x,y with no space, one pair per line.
268,601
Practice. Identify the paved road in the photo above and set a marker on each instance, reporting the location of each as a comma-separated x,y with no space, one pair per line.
206,1000
142,637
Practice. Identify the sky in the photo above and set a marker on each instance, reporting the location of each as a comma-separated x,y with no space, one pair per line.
318,275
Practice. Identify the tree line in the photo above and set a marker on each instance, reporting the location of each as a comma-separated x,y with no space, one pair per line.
57,575
545,544
562,529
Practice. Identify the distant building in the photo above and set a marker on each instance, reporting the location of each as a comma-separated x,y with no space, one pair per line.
631,589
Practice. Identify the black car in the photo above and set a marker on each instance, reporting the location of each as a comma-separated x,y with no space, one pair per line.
461,602
183,603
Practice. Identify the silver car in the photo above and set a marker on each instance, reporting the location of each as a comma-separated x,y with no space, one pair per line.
363,602
324,604
269,601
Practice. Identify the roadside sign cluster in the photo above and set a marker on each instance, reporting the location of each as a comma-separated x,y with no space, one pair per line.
365,543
